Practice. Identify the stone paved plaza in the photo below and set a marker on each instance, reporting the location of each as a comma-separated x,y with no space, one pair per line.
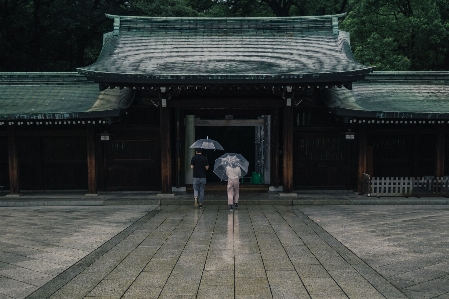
257,251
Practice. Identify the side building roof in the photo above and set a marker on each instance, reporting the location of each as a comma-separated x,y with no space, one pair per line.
393,95
288,50
57,96
47,97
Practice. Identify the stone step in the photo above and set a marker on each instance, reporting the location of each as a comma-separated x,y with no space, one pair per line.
220,187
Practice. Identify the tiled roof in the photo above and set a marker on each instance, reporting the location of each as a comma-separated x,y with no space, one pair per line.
53,96
399,95
203,50
63,96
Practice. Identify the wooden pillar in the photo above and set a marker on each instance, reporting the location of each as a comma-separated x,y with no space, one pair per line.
189,152
178,148
287,151
417,168
267,148
369,160
275,148
362,158
13,158
91,161
166,180
440,151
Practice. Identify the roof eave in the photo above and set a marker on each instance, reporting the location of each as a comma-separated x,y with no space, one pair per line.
135,79
362,114
61,116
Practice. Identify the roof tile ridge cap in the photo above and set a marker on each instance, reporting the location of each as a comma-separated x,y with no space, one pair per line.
410,75
412,72
38,73
124,17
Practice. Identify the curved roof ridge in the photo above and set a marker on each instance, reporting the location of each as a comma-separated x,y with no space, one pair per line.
226,18
153,50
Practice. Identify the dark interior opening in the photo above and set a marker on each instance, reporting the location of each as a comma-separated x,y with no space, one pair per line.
233,139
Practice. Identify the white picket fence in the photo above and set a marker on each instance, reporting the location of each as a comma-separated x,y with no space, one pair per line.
405,186
391,186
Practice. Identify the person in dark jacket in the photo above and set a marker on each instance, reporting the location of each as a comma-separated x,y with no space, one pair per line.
199,164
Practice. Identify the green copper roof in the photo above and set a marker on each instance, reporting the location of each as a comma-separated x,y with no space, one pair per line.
204,50
398,95
63,96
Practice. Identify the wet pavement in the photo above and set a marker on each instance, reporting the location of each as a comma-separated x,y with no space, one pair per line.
257,251
406,245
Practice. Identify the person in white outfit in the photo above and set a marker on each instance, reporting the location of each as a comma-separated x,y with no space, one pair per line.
234,173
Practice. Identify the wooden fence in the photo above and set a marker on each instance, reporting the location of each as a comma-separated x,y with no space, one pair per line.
405,186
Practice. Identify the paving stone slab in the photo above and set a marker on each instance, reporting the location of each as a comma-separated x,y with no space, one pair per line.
265,251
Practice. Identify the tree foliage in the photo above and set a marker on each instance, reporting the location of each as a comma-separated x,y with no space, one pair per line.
400,34
52,35
60,35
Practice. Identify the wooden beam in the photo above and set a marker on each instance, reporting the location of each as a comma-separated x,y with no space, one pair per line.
226,103
50,133
91,162
227,111
440,151
229,123
287,151
166,176
13,158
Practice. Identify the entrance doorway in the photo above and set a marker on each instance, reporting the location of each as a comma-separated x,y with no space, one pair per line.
234,140
243,134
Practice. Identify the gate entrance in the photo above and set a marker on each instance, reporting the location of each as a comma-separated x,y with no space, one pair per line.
234,140
249,137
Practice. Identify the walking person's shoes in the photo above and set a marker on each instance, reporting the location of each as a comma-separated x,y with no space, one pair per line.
196,201
236,205
200,205
231,208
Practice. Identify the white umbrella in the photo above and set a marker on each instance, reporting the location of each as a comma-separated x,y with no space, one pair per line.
207,144
231,160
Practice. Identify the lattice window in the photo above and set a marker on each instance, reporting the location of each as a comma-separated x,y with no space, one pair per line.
320,148
133,150
64,149
314,117
392,147
3,149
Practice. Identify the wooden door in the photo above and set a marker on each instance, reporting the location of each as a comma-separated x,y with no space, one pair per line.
132,160
403,155
52,163
4,164
64,163
321,160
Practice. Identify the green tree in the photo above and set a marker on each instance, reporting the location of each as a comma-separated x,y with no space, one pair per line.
53,35
60,35
399,35
248,8
319,7
166,8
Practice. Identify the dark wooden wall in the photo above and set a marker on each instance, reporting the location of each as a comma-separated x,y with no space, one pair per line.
4,165
323,158
56,158
52,163
403,153
131,159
